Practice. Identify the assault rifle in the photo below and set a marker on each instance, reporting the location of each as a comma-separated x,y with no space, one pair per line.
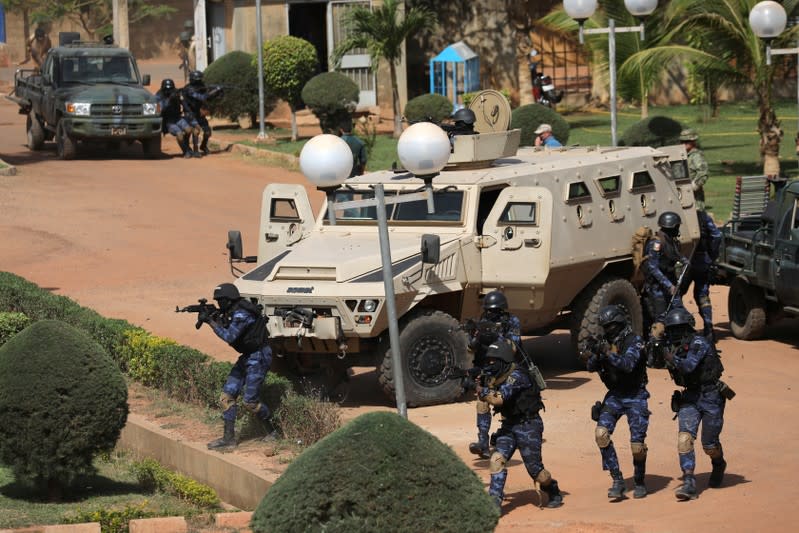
203,310
593,345
470,377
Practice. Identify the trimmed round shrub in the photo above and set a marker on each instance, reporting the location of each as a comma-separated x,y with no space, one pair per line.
529,117
11,324
62,401
652,131
289,62
377,473
428,106
238,74
332,97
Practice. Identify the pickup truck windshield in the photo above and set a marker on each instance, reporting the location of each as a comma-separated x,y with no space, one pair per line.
449,206
98,69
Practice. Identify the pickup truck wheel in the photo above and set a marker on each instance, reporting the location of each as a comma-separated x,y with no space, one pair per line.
432,347
152,147
746,307
618,291
66,146
35,132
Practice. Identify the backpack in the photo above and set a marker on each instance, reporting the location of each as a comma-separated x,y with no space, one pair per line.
639,240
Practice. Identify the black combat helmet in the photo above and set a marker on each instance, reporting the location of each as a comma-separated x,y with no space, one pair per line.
195,77
227,291
168,85
612,314
495,300
464,115
679,317
502,350
39,33
669,220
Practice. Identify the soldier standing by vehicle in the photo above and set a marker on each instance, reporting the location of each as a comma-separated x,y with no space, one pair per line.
195,101
38,46
172,120
618,356
660,268
514,394
699,271
357,146
501,325
697,166
240,324
694,364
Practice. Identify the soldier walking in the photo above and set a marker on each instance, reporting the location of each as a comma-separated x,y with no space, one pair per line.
699,271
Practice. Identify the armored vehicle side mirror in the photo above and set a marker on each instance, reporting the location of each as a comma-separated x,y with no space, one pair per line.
145,80
235,248
431,248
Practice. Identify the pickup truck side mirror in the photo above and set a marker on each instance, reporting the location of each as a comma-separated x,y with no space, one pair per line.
145,80
431,248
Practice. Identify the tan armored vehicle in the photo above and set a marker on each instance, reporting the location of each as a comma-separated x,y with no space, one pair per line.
550,228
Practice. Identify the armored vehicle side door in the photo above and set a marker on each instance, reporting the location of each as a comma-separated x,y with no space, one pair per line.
286,217
515,243
786,252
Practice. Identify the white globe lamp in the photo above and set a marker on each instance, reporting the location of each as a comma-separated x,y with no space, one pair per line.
640,8
579,10
424,149
326,160
767,19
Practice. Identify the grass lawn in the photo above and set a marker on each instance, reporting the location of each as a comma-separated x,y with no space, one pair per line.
113,488
730,142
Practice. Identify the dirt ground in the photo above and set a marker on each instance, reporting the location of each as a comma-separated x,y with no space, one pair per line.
132,238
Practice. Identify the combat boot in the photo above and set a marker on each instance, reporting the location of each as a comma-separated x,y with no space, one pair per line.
687,491
617,489
272,434
228,440
638,478
717,475
204,147
555,497
480,448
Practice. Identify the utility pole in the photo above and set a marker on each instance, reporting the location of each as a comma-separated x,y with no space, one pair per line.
200,36
120,13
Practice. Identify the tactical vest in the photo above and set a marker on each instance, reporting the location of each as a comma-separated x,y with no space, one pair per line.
624,382
254,337
524,405
669,255
707,372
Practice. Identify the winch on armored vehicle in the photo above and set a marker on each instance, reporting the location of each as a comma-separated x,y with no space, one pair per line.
551,228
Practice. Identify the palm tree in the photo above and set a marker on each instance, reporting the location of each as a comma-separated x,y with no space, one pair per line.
381,31
717,40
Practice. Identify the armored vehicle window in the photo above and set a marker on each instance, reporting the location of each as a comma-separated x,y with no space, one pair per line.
358,213
449,205
578,191
679,170
519,213
284,210
610,185
642,181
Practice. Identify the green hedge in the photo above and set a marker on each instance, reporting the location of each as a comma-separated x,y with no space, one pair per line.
653,131
429,106
529,117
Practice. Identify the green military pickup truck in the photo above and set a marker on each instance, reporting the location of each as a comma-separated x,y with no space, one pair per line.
89,93
759,259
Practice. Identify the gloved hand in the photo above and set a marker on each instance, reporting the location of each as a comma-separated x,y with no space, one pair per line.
673,290
203,316
668,355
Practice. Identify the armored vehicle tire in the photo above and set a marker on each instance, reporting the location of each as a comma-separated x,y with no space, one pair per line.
152,147
746,307
35,132
66,146
598,294
431,347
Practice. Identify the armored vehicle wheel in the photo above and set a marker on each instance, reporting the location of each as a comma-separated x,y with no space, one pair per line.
66,146
431,347
35,132
152,147
746,307
597,295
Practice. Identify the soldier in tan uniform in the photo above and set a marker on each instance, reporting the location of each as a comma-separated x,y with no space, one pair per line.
38,46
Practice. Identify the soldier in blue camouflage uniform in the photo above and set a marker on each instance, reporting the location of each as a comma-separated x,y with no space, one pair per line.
619,358
513,394
172,120
694,364
240,324
507,326
661,255
195,100
697,166
707,250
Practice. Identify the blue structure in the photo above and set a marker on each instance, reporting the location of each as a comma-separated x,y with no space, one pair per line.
456,70
2,24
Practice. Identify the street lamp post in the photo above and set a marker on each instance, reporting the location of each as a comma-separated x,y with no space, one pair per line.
581,10
326,160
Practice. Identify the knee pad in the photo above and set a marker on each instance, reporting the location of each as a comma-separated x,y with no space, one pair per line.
639,451
482,407
253,407
544,478
685,442
497,463
714,452
602,436
226,401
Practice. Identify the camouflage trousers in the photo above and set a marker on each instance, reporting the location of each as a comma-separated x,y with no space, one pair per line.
700,276
705,407
246,378
526,436
636,409
483,424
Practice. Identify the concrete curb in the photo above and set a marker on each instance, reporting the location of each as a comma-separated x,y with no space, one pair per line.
262,153
233,480
7,170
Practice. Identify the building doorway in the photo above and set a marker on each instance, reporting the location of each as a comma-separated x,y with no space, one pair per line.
308,20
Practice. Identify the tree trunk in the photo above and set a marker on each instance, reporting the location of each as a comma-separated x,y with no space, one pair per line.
395,100
645,104
525,79
26,32
770,135
294,133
